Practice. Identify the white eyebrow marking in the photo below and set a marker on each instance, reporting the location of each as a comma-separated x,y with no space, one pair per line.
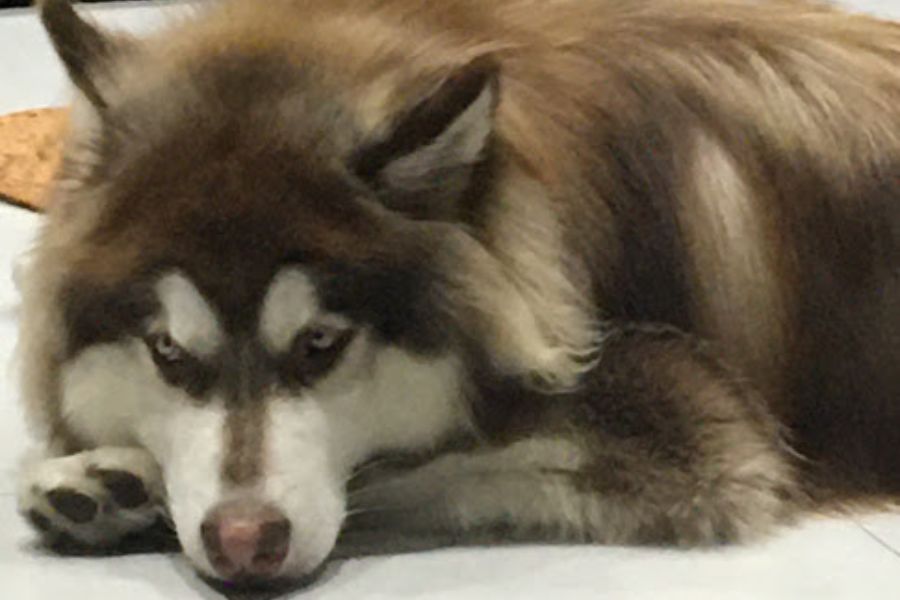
290,305
187,316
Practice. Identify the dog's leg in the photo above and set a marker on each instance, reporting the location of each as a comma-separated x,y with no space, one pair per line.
661,446
93,499
513,494
487,495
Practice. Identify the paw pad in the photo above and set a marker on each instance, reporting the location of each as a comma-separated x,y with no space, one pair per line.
127,490
93,499
39,521
75,506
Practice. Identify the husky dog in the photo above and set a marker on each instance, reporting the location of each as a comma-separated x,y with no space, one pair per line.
367,275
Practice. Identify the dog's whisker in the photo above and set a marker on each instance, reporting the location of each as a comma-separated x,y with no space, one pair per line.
367,467
354,512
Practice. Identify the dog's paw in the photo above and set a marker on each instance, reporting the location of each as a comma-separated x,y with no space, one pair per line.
94,499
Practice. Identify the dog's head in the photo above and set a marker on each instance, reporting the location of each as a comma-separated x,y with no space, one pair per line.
264,272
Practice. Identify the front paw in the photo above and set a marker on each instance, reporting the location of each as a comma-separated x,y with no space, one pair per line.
94,499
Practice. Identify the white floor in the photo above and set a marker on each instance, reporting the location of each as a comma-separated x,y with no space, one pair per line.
856,559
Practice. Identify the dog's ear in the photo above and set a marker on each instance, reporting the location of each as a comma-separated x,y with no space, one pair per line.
422,162
86,52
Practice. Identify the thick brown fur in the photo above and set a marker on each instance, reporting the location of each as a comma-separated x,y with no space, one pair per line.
728,168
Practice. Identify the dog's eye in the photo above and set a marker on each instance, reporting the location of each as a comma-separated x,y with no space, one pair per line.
321,339
165,349
315,351
177,366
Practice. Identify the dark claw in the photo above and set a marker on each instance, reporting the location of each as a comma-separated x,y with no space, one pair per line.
127,489
75,506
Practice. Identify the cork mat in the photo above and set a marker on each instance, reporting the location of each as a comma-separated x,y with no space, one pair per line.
30,145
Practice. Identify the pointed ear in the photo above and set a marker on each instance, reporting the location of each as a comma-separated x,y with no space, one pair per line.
85,51
423,162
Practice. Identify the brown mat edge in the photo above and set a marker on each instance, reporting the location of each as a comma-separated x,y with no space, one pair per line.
19,203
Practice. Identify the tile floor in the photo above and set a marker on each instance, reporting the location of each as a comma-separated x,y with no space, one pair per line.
856,559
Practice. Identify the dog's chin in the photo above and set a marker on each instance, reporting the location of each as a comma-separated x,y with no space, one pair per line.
261,588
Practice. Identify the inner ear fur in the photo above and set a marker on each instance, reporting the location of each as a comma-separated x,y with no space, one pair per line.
422,162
